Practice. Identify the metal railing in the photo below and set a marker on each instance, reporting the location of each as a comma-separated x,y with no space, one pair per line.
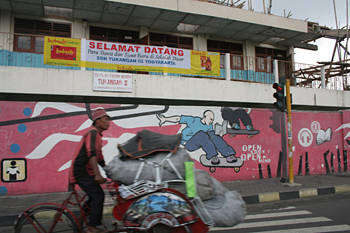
24,50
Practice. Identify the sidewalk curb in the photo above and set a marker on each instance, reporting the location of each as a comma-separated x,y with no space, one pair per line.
279,196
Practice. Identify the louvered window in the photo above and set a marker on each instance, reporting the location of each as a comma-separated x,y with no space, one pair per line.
235,49
114,35
36,30
157,39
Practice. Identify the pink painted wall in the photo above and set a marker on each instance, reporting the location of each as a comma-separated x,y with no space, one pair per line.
38,139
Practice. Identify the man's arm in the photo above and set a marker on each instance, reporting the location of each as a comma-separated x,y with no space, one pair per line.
93,159
93,162
173,119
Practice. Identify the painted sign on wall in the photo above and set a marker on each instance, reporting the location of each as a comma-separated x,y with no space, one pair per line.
107,81
38,140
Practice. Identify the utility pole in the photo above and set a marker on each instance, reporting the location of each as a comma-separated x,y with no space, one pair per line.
289,123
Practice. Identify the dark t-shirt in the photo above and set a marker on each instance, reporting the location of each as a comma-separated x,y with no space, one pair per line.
89,146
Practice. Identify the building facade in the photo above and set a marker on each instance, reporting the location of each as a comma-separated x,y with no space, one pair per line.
44,109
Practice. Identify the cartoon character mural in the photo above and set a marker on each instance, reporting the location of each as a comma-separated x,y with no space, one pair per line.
199,133
42,136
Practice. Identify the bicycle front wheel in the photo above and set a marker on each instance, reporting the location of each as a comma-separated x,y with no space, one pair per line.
160,228
46,219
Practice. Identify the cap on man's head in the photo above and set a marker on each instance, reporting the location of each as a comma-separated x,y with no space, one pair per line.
98,113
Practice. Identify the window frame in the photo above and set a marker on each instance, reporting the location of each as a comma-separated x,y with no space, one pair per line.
227,47
36,32
170,41
268,54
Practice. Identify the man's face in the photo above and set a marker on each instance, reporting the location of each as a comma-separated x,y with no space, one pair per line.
209,118
103,122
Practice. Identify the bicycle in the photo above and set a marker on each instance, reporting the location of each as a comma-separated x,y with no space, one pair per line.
51,217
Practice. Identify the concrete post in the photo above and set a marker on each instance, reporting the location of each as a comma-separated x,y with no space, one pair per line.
200,43
250,53
143,32
275,70
323,78
5,26
227,67
77,29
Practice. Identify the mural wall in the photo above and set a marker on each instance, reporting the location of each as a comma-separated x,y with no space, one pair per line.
38,140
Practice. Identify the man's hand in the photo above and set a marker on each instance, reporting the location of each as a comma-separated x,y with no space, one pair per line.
99,179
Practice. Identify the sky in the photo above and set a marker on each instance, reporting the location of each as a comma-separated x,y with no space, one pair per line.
318,11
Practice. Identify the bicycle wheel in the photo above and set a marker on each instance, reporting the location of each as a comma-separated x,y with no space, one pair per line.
43,218
160,228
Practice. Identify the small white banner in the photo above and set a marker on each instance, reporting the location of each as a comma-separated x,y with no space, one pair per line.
106,81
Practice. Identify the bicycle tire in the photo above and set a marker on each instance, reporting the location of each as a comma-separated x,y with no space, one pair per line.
160,228
43,218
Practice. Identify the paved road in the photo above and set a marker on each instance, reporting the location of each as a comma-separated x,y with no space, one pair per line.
319,214
328,213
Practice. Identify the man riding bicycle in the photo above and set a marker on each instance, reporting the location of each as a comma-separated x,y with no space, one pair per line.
85,171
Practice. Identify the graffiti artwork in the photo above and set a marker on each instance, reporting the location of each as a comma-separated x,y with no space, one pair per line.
38,140
165,208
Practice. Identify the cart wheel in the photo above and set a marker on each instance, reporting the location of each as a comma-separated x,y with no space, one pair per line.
237,169
249,136
212,169
232,135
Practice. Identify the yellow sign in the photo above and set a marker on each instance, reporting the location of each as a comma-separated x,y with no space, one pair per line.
62,51
13,170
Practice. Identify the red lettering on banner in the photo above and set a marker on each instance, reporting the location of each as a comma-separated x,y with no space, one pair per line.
181,52
125,82
99,45
114,47
137,48
166,51
130,49
160,50
147,49
92,45
154,50
173,52
105,47
122,48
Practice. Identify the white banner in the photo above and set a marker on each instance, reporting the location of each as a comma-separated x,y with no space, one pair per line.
106,81
135,55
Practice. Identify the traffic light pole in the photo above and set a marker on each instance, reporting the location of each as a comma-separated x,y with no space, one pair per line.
289,123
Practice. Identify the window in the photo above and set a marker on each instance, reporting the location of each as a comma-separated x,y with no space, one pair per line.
265,57
33,42
234,49
157,39
114,35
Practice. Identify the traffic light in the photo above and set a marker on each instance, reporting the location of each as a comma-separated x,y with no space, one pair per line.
279,96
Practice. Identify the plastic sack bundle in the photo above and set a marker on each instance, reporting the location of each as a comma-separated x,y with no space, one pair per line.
226,208
125,170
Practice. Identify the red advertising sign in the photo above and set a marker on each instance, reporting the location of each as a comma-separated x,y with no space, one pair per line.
63,52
